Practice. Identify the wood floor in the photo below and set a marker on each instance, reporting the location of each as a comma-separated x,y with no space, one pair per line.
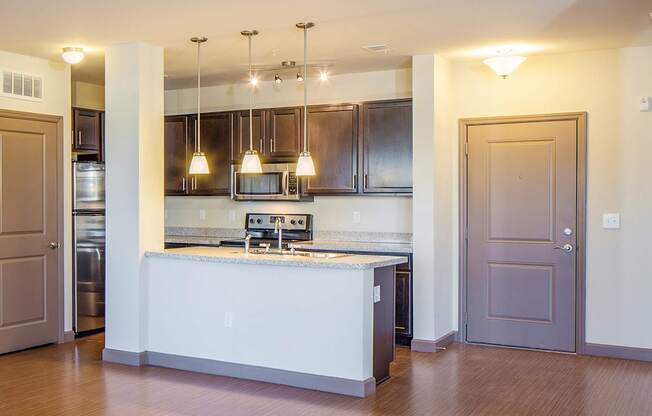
70,379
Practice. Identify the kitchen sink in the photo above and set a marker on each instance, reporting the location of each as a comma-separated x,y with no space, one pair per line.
290,253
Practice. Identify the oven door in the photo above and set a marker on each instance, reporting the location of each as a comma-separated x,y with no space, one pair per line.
266,186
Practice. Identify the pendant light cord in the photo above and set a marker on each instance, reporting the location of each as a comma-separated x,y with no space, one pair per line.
251,102
305,89
198,97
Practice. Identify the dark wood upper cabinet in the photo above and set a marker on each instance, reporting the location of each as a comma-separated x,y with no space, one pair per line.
176,145
387,147
241,138
285,132
216,136
333,144
87,130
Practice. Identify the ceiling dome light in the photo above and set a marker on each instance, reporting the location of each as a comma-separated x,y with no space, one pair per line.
299,77
277,79
72,55
504,65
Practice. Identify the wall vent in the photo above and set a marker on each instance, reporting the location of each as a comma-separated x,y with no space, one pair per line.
19,85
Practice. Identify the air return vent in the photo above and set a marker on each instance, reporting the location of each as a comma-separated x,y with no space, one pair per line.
19,85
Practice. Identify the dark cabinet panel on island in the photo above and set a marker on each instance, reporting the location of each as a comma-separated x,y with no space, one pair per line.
387,146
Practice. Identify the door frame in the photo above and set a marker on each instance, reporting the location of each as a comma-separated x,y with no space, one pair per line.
58,120
580,268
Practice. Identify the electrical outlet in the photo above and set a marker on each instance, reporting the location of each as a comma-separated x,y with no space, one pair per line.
232,215
611,221
356,217
202,214
376,294
228,319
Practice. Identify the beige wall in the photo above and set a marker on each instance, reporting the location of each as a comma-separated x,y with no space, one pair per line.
56,101
606,84
388,214
86,95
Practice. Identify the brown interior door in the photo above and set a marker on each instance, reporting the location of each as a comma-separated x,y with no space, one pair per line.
29,301
522,208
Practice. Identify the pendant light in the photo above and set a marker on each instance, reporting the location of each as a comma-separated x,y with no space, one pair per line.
305,165
251,161
198,164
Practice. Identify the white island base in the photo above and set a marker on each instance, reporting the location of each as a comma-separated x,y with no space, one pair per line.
311,323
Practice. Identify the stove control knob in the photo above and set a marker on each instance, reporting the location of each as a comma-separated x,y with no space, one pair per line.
300,222
251,220
259,221
293,222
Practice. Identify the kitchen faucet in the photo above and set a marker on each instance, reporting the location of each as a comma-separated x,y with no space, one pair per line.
278,229
247,240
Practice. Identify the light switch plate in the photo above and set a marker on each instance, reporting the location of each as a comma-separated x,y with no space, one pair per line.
611,221
202,214
228,319
356,217
376,294
645,104
232,215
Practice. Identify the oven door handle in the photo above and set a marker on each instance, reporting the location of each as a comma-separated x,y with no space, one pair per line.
286,183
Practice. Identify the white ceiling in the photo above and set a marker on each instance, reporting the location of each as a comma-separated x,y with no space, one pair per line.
456,29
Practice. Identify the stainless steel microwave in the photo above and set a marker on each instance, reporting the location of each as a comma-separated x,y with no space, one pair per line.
277,182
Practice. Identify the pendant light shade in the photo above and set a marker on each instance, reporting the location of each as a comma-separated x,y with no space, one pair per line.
198,164
305,164
251,161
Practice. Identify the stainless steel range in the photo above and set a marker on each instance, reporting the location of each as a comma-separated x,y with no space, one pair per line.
267,230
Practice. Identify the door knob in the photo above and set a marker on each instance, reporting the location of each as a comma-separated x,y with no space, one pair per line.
566,247
53,246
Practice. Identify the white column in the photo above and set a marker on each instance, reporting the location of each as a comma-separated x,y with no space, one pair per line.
433,202
134,190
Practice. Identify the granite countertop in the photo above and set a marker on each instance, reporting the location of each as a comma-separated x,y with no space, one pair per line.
359,246
234,255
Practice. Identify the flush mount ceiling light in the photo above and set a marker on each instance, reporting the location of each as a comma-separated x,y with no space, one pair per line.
198,164
299,77
305,165
504,64
323,76
251,161
72,55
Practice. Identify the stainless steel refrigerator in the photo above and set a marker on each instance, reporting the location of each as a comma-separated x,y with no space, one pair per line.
89,243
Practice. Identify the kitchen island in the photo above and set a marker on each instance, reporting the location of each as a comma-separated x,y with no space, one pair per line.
317,321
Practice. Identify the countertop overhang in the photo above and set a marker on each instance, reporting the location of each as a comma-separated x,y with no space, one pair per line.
235,255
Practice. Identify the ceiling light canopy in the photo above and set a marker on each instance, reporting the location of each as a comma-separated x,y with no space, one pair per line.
323,76
72,55
504,64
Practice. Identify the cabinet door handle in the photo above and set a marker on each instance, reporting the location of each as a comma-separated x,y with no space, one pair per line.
79,137
183,184
355,181
260,144
366,180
